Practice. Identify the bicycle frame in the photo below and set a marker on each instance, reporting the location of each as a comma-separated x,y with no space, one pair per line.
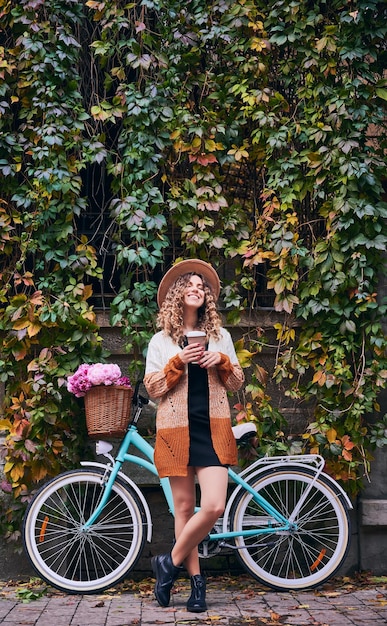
133,438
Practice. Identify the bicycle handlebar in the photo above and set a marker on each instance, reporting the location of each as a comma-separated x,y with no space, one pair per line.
139,400
136,390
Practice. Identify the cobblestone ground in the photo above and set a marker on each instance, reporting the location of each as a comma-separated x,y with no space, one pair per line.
232,601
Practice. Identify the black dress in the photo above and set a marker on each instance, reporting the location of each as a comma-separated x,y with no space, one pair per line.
201,450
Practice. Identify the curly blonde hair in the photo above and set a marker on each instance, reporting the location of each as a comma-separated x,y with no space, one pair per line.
170,317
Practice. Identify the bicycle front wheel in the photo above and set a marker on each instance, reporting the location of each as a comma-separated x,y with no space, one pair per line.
73,559
305,556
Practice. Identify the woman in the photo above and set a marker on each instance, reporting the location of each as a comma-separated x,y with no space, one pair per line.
193,424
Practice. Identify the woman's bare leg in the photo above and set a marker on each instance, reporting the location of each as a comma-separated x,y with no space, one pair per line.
191,528
184,501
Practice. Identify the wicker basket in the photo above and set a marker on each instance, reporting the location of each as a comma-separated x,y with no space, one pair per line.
108,410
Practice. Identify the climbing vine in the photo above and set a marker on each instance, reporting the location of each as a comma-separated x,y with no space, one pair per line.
249,134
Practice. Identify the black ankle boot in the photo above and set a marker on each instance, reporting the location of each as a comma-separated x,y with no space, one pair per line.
166,573
197,599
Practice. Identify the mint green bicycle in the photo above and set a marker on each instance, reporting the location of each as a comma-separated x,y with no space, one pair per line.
286,519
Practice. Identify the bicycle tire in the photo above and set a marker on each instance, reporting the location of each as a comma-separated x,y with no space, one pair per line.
299,559
73,560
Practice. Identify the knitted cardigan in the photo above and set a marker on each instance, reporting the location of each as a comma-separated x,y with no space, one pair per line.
166,378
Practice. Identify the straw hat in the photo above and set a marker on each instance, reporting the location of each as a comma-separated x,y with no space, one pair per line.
186,267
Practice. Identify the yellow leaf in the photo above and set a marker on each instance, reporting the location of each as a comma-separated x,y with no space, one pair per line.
321,44
99,114
38,471
89,315
196,143
33,329
244,358
87,292
17,472
210,145
5,424
8,466
331,435
319,378
23,322
239,344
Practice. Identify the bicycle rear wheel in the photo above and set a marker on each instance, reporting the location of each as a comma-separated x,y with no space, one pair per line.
301,558
76,560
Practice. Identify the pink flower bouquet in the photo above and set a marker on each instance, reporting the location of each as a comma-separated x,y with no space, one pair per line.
88,376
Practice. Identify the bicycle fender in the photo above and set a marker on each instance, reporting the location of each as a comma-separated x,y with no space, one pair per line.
255,473
340,489
135,488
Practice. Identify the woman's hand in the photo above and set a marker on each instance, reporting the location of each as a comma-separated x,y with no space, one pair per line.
209,359
195,353
192,353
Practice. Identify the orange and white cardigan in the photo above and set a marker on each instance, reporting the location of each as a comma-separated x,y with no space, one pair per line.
166,379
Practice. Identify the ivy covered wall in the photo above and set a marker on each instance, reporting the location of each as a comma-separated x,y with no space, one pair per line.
251,134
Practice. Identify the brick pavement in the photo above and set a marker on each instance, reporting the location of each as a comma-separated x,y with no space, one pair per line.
231,602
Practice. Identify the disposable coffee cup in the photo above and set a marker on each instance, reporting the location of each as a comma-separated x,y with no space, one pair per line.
196,336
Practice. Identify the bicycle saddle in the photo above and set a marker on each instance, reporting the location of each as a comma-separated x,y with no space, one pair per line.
243,432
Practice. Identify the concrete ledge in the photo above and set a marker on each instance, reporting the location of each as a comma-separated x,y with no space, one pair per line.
373,512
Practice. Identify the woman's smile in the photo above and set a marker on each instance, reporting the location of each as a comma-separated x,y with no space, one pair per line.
194,291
